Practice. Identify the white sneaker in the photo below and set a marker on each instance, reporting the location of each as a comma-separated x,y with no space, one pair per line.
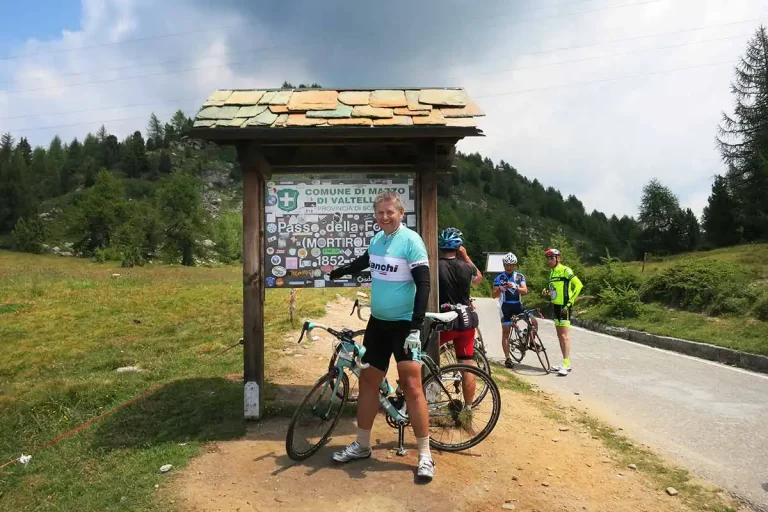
352,452
426,470
563,371
559,368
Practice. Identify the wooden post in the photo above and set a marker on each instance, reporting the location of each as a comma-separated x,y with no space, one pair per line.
428,220
255,169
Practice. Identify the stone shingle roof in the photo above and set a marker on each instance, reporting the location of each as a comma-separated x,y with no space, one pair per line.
328,108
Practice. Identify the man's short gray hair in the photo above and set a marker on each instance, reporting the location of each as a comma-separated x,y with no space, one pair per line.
389,196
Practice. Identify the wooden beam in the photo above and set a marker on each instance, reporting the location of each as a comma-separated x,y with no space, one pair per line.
255,169
252,157
427,180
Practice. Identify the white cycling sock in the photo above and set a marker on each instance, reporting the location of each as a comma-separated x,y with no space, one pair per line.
363,438
423,444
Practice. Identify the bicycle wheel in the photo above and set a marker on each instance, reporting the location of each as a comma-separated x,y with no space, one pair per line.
319,412
479,359
452,426
541,352
516,345
479,343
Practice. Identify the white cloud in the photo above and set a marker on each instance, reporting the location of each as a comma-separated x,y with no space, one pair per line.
603,141
49,90
599,138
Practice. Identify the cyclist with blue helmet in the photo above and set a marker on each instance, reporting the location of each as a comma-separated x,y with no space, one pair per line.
508,287
456,273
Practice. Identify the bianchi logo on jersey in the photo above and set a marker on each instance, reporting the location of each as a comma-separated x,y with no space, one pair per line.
387,268
383,268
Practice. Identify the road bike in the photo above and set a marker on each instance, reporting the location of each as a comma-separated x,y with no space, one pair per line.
453,426
527,338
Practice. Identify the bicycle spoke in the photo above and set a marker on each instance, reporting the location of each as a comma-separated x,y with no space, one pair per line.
317,416
452,425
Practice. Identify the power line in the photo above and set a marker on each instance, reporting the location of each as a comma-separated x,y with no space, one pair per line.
185,99
600,57
508,70
235,63
175,34
100,109
52,127
541,52
603,80
634,38
494,95
114,43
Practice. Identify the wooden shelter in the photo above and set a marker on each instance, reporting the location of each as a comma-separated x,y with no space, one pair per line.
412,130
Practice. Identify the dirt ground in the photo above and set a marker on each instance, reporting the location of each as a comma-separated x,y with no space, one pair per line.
527,463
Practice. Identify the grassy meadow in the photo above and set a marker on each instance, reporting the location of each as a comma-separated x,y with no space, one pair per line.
67,324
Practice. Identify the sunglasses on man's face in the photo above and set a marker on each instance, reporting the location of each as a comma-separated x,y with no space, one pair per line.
551,257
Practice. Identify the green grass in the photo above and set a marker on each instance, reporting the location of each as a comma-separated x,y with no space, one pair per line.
754,256
66,325
735,331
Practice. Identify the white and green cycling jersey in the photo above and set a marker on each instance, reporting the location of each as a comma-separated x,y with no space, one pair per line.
391,260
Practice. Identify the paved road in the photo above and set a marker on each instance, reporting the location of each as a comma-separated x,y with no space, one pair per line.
711,418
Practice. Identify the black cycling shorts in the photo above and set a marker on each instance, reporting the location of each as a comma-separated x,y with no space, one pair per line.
384,338
562,315
510,309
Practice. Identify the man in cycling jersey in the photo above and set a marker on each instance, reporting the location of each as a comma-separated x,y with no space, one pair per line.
456,273
399,268
507,288
564,287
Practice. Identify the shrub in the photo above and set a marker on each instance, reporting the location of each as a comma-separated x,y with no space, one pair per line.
699,285
760,309
621,301
610,273
28,235
229,237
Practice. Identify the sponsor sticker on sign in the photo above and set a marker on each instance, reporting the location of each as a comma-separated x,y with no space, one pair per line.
276,260
302,253
270,251
316,252
272,228
291,263
278,271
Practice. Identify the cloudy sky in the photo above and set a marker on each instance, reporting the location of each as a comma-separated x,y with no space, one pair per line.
593,97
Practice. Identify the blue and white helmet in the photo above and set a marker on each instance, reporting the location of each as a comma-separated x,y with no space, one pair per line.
450,239
509,259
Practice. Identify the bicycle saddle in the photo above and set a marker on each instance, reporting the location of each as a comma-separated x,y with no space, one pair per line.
444,318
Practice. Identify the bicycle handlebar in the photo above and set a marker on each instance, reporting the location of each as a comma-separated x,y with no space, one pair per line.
359,350
359,306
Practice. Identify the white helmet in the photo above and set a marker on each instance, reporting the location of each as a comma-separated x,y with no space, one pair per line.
509,259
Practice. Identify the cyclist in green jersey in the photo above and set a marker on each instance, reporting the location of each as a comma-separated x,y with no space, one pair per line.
564,288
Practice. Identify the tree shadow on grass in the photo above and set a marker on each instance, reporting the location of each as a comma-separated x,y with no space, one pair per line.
195,409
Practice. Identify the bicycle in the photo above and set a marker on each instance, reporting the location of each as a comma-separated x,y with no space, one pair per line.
527,339
446,411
